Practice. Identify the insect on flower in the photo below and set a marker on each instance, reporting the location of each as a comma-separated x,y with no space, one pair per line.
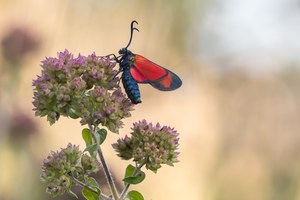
138,69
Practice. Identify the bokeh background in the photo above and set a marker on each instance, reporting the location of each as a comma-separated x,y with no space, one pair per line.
238,111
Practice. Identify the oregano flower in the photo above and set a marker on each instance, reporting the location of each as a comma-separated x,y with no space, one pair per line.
152,145
82,87
59,168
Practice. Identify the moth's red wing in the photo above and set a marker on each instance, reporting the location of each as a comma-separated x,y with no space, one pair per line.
145,71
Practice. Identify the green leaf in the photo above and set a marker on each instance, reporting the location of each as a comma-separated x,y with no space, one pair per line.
135,179
69,188
92,149
74,114
90,195
135,195
129,170
91,182
72,193
87,193
100,135
87,136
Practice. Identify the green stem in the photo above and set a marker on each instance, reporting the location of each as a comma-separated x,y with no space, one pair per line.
89,188
109,178
124,192
83,184
107,173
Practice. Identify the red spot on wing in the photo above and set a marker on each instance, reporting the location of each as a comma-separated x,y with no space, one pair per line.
143,70
166,81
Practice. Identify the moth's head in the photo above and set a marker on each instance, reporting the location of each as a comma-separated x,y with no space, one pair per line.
124,51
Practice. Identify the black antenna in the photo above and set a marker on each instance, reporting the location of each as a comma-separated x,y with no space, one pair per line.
131,32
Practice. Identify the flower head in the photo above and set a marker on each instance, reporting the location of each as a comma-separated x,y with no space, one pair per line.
99,71
82,87
150,145
108,108
21,126
60,165
17,43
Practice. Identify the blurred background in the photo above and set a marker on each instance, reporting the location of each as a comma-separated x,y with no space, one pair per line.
237,112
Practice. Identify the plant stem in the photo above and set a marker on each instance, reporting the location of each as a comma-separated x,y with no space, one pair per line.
124,192
107,173
83,184
88,187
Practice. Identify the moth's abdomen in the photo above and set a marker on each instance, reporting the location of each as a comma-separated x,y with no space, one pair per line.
131,87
